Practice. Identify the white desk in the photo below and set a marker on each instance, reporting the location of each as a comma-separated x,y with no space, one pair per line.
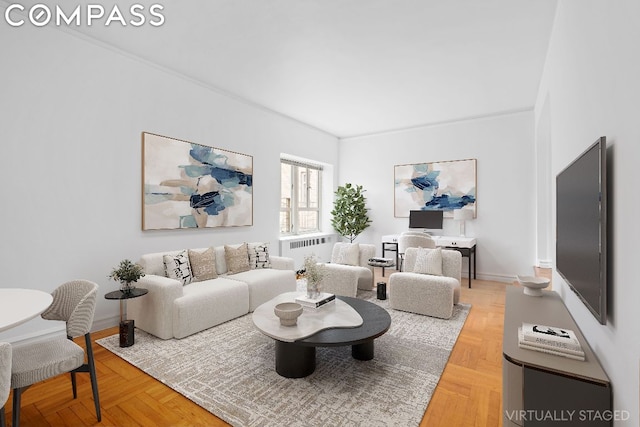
465,245
19,305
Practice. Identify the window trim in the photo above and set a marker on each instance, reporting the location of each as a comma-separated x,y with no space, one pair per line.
294,209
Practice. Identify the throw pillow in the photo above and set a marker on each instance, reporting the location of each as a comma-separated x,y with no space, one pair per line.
178,267
237,258
203,265
259,255
348,254
429,261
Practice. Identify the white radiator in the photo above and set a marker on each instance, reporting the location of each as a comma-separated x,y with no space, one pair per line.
300,246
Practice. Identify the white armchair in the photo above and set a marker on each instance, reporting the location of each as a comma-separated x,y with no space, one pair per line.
349,269
427,294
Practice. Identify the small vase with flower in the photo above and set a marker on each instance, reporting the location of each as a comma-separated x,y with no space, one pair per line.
127,273
313,274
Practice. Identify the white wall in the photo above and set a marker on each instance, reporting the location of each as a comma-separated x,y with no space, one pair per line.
544,188
591,79
504,149
72,116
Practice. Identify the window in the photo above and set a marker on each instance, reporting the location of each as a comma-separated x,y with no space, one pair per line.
299,197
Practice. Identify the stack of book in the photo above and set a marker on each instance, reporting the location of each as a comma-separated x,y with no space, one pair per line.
381,262
552,340
319,301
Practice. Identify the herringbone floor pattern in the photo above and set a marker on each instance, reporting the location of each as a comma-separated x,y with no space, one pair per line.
469,392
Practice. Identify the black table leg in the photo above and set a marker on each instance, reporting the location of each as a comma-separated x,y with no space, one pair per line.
470,270
293,360
472,251
362,351
475,258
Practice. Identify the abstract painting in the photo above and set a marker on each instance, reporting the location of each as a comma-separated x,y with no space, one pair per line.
443,186
187,185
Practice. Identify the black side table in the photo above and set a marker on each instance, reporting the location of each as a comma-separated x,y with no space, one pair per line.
126,326
382,262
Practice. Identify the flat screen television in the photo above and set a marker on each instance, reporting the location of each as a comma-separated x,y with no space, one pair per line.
581,227
427,219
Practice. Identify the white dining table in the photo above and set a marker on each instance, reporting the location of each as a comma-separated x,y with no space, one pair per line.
20,305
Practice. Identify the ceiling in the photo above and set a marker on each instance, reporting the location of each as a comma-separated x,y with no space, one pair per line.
352,67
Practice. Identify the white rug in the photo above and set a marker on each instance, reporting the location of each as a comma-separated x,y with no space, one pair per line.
230,371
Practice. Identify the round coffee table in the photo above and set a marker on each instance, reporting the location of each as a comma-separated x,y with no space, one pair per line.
297,359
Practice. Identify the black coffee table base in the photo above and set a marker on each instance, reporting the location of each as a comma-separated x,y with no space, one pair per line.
298,361
362,351
294,361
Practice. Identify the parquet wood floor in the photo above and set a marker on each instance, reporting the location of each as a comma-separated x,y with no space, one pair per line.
468,394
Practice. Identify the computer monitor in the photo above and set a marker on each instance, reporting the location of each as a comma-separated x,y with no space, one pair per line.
426,219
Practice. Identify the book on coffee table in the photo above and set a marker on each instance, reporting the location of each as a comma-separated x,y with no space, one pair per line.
320,300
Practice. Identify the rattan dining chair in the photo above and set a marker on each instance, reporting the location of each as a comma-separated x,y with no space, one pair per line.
5,377
73,302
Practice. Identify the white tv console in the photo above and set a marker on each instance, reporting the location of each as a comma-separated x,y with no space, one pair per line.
465,245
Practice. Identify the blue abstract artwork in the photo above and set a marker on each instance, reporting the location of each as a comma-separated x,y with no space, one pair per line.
189,185
446,186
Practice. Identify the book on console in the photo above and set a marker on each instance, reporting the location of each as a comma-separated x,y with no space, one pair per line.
555,353
322,299
550,349
558,338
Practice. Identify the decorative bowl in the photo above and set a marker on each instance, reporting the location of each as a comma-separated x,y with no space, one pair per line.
533,285
288,313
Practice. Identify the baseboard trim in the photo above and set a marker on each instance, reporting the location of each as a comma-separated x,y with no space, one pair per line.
494,277
105,323
545,263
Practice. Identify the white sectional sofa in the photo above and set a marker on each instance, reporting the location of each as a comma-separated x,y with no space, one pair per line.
172,309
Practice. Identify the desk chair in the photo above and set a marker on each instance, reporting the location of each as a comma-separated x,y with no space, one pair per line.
5,377
413,240
73,302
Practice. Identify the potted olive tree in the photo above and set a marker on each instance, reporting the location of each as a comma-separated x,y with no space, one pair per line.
349,211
